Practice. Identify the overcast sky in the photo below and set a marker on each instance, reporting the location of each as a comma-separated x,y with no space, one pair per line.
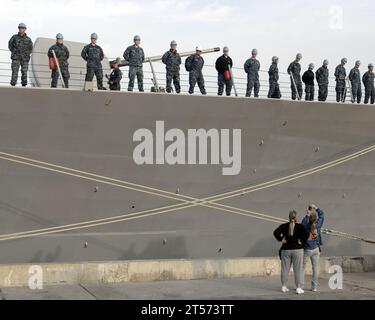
318,29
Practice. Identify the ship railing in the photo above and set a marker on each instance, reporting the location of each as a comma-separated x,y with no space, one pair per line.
209,71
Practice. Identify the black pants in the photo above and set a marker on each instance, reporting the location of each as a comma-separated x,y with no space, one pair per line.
115,86
98,72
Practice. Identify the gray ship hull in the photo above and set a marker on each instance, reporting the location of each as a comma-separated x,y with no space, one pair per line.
58,131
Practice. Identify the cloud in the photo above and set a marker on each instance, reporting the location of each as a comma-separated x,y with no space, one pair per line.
71,9
274,27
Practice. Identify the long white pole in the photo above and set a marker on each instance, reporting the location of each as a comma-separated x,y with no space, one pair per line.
232,78
154,76
295,86
58,68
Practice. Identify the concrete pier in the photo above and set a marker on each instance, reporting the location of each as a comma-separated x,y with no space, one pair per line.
112,272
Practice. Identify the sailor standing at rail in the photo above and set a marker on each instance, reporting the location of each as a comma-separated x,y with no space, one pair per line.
355,80
340,75
172,61
135,56
294,70
308,79
194,65
93,55
62,55
252,67
273,73
368,81
21,46
322,75
222,65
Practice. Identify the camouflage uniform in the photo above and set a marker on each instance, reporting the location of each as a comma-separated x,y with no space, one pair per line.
274,91
194,65
368,82
21,47
252,67
222,64
172,60
295,69
62,55
340,74
135,56
355,80
94,55
114,80
322,75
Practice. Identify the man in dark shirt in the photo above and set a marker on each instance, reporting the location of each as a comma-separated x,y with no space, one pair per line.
222,66
308,80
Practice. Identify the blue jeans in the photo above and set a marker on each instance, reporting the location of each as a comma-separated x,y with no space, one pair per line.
313,255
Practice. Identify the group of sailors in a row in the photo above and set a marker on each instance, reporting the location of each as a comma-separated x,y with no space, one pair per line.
21,48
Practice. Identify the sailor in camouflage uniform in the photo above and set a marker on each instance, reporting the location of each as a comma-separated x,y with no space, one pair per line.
135,56
273,73
194,65
368,82
340,75
93,55
252,67
20,46
322,75
172,61
62,55
355,80
294,70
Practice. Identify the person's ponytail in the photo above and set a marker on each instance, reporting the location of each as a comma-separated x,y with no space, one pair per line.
314,228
